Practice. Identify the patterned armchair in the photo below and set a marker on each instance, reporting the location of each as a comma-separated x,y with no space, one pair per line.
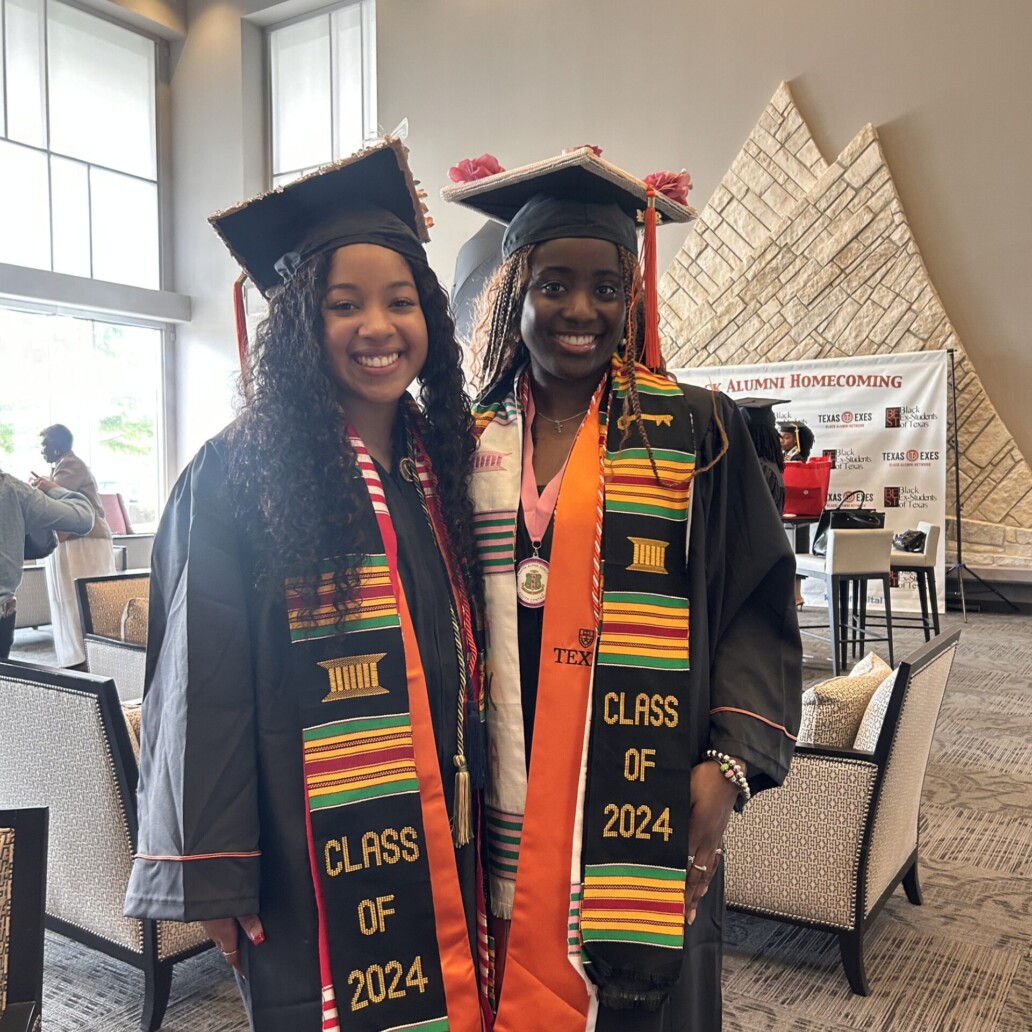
113,610
23,876
830,846
64,744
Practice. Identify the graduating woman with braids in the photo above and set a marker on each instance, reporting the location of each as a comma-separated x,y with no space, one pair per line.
610,502
311,746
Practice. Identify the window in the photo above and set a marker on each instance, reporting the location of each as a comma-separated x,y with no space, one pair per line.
322,74
103,381
78,150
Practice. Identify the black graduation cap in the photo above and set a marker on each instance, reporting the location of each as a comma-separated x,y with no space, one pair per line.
760,411
575,194
369,197
578,194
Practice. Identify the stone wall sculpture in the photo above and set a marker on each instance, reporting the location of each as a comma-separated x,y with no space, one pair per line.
794,257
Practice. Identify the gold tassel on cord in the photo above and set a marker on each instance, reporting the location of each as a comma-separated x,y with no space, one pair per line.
462,822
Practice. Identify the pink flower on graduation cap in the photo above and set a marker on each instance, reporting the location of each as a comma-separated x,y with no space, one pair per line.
674,185
470,169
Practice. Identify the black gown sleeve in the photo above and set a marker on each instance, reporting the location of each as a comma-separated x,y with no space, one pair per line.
755,653
198,799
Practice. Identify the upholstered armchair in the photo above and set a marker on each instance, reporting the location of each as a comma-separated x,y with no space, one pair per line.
830,846
23,879
65,744
113,609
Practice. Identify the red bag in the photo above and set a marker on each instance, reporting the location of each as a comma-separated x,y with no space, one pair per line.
806,487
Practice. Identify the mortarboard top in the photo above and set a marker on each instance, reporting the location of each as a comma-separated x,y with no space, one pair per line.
760,403
760,411
576,194
369,197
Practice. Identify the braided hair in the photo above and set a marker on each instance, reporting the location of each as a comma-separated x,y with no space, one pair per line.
499,350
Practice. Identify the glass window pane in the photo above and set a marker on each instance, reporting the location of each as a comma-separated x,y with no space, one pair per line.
347,67
102,106
103,381
369,76
24,51
24,207
3,106
124,217
70,197
300,75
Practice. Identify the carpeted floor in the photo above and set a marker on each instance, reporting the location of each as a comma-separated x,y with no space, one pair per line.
962,962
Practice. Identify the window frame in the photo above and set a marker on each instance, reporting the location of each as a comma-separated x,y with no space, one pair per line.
368,77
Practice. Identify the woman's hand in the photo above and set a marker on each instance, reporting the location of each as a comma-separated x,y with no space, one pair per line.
225,933
713,799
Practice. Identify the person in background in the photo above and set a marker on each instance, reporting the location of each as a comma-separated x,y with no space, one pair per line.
77,555
758,414
608,499
796,441
311,744
27,510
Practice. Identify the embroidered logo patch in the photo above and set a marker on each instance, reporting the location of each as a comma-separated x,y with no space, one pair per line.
353,677
649,555
489,461
586,637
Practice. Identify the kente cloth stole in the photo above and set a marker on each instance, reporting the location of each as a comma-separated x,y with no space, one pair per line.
393,945
599,837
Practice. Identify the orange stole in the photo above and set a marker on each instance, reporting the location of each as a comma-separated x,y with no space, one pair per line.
460,982
539,978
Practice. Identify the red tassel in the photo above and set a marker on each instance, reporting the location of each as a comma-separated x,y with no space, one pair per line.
653,357
240,316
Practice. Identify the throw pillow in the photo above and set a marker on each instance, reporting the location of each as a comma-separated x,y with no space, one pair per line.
871,664
874,715
833,709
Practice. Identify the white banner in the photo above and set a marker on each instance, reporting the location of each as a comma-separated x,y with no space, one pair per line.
883,421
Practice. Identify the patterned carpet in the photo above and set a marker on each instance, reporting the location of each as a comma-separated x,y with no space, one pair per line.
962,962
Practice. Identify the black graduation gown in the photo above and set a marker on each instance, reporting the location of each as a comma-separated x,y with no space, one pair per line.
745,653
221,766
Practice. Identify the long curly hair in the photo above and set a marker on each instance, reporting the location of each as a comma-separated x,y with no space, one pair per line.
293,479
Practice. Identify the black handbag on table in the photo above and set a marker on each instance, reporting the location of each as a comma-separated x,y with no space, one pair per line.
40,544
845,519
909,541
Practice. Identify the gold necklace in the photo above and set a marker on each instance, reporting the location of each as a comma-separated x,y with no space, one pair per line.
560,423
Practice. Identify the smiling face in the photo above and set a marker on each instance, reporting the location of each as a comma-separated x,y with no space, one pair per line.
573,313
374,331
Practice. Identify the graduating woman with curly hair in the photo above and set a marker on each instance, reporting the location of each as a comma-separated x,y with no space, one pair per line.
609,502
311,742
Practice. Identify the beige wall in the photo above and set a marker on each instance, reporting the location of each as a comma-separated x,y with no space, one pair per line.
947,82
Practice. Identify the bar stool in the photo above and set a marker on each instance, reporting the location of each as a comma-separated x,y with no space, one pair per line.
854,557
923,565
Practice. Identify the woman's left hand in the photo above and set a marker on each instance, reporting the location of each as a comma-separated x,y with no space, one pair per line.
713,799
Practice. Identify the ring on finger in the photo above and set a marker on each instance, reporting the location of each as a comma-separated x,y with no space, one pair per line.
229,953
700,867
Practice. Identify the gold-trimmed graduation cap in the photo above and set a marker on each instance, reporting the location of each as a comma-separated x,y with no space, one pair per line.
369,197
580,194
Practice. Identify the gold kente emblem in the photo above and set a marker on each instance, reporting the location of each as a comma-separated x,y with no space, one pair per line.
625,421
649,555
352,677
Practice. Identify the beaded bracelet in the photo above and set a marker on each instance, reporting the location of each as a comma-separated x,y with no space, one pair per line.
732,770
